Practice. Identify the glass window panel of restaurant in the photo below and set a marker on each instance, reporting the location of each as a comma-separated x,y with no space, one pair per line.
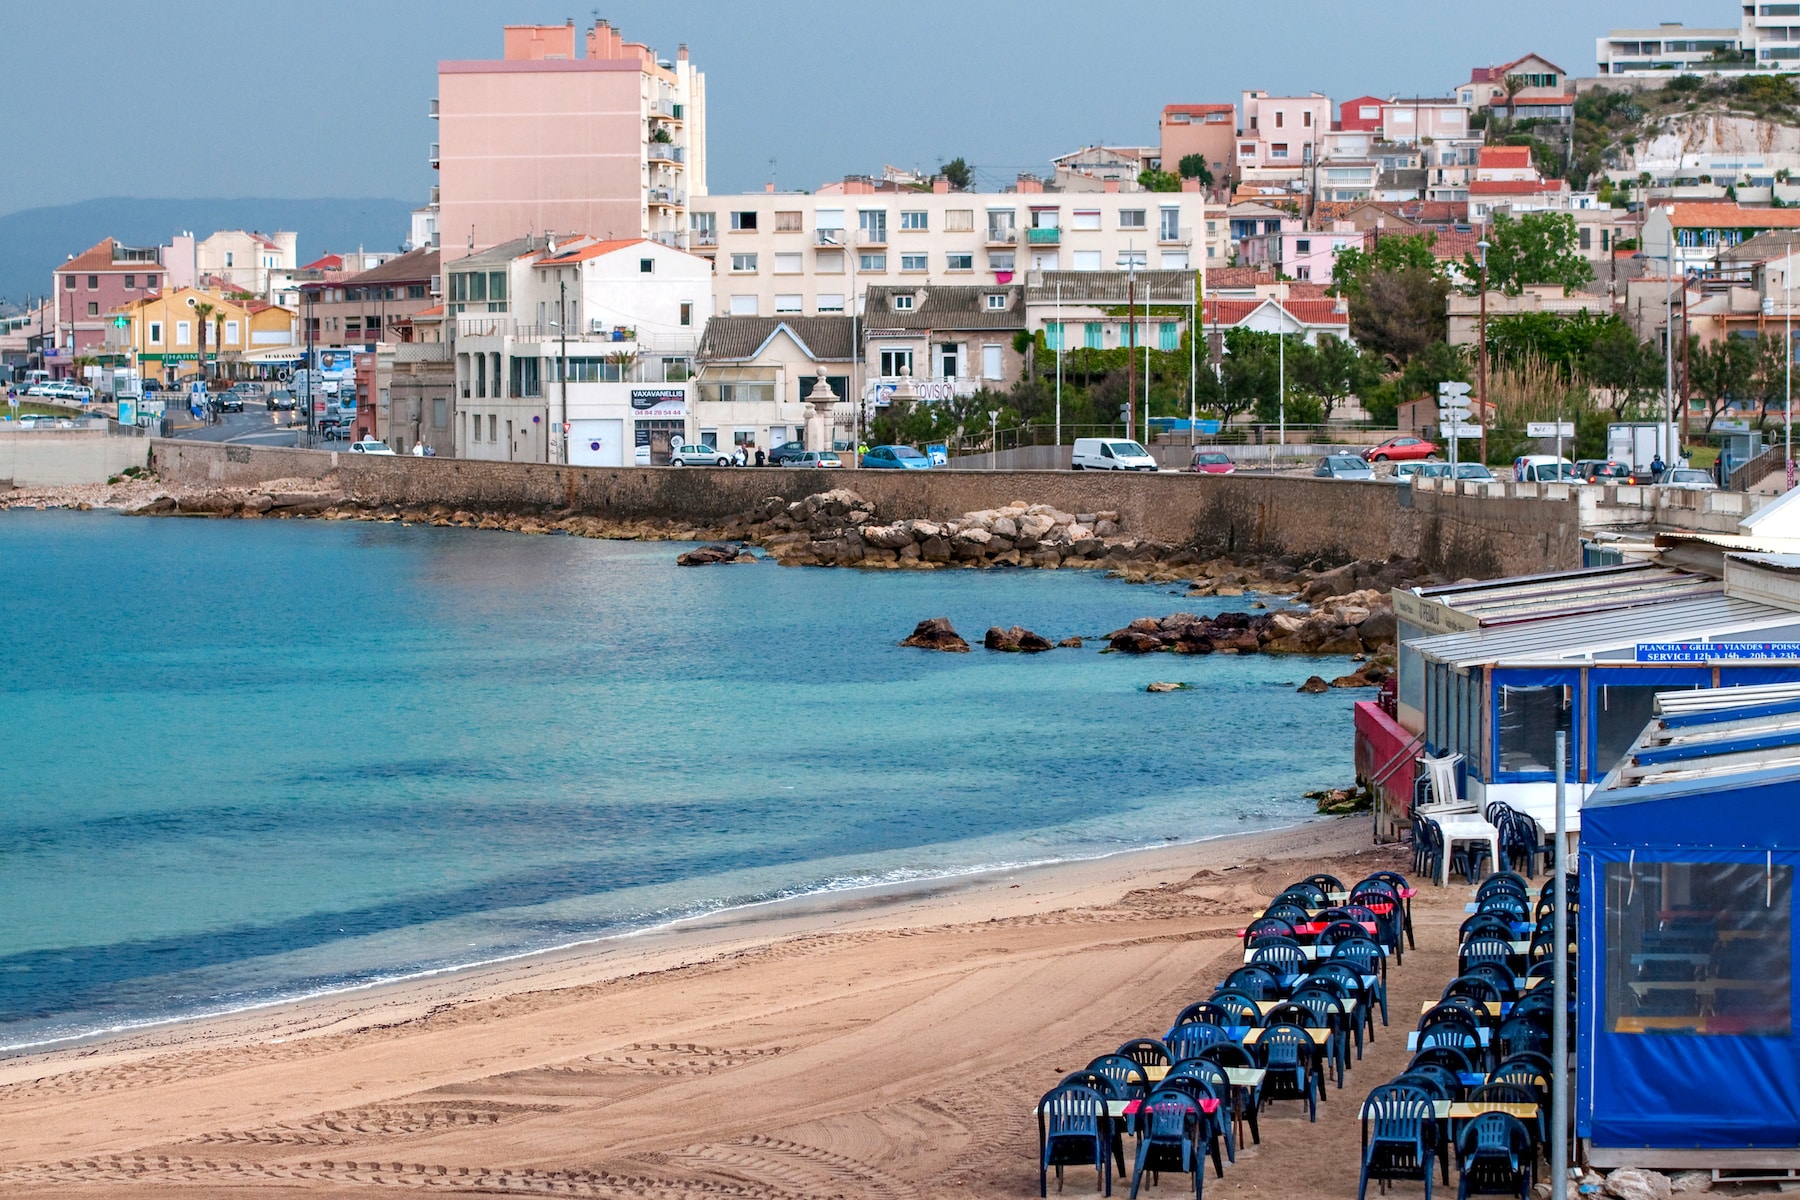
1620,714
1698,948
1529,718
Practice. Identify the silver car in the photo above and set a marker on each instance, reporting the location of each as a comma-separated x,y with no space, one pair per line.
1687,479
1343,466
690,454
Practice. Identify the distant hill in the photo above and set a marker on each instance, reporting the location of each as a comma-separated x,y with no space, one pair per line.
34,240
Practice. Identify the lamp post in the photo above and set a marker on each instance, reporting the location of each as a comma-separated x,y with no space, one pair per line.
1131,336
1787,403
1668,437
1281,361
993,436
562,365
1481,338
1061,345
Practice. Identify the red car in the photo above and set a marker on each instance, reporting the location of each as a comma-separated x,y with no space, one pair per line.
1400,449
1212,462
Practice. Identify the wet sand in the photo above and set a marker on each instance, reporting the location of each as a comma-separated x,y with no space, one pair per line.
885,1043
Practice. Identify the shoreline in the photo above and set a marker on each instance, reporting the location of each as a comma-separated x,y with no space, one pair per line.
714,935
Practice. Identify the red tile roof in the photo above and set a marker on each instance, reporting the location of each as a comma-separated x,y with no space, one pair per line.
99,257
1731,216
1516,187
1199,110
1505,156
331,262
1307,312
1238,277
583,253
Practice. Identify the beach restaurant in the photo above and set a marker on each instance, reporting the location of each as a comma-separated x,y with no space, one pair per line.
1581,653
1687,1051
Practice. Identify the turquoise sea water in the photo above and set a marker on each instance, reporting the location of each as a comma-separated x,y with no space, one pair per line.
246,761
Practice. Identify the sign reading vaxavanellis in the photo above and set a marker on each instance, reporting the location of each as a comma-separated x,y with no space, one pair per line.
659,402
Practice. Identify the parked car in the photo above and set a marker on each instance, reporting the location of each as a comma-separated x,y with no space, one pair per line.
690,454
1342,466
1543,468
814,458
781,455
1110,454
1687,479
1406,471
1472,471
371,446
1400,449
1212,462
896,458
1602,470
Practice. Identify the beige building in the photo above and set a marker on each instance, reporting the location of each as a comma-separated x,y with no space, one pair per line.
782,254
1208,130
609,140
236,259
755,373
1278,141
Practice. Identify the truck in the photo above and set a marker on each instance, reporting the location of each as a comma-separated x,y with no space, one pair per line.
1640,443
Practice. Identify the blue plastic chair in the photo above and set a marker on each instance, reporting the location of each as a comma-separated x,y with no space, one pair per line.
1230,1054
1187,1041
1399,1128
1211,1134
1365,957
1255,981
1203,1012
1073,1130
1129,1082
1480,950
1264,928
1287,1053
1170,1123
1347,981
1498,1157
1214,1077
1327,1011
1240,1009
1145,1052
1401,885
1280,960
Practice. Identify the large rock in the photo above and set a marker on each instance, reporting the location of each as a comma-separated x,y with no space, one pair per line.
1332,583
1015,640
1378,627
1133,642
1314,686
707,555
936,633
887,537
1633,1183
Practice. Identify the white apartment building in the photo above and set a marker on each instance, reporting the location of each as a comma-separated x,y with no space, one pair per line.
814,253
1766,40
245,260
628,314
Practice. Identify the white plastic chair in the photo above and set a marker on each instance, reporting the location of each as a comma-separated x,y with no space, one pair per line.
1440,776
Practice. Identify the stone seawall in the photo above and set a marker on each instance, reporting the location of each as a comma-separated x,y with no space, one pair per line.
1454,535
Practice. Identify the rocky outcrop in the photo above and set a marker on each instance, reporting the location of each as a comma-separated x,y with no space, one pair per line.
1015,640
1314,686
708,555
936,633
1336,629
1163,686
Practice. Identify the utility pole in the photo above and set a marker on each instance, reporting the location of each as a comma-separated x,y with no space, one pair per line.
562,365
1131,337
1481,337
1146,362
1281,361
1062,335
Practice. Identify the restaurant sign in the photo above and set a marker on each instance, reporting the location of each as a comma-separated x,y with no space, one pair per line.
1700,652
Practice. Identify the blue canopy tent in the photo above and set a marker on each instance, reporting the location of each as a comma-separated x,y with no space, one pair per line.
1688,1055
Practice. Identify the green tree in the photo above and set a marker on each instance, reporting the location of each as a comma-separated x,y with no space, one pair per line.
1193,166
959,173
1722,372
1629,371
1399,314
1353,265
1561,341
1536,248
1440,362
1333,371
1159,181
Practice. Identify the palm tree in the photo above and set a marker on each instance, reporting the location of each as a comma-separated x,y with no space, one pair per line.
1514,84
204,310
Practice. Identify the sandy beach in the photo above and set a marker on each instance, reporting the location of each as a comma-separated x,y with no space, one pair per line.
880,1043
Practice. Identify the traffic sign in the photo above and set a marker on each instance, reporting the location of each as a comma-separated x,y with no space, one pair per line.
567,426
1542,429
1452,388
1453,408
1459,430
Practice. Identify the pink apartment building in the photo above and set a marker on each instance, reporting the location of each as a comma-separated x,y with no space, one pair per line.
609,141
101,278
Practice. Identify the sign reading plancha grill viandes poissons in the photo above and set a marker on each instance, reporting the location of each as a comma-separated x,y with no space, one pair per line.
1699,652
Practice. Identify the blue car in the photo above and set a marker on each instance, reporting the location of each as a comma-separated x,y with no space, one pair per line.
897,458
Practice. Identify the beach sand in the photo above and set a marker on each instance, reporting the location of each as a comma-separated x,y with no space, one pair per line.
885,1043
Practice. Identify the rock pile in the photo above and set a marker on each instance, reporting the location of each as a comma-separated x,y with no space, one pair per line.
1343,629
936,633
1015,640
706,556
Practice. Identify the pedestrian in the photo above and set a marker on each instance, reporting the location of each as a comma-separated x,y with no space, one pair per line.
1656,465
418,449
761,458
737,455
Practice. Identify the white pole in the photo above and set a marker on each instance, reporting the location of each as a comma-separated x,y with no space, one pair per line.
1668,437
1787,404
1281,352
1146,364
1193,364
1061,345
1559,1025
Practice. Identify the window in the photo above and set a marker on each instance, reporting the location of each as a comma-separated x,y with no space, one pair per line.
1169,227
959,220
1053,335
1278,150
903,302
184,333
1280,118
871,262
1092,336
1134,258
895,359
415,291
93,308
743,263
743,222
996,301
789,302
992,362
1585,237
829,220
958,261
1306,119
1529,720
1247,150
1303,273
1168,336
1132,218
831,302
1085,218
131,283
787,264
231,332
787,222
493,427
830,264
1002,225
1304,246
646,266
1176,260
93,283
1697,949
1001,260
69,282
156,333
687,312
150,281
1087,260
440,413
873,224
915,262
914,220
743,306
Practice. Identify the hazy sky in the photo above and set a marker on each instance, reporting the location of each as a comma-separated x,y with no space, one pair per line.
328,98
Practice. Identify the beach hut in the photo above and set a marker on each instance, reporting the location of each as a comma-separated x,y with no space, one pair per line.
1688,1054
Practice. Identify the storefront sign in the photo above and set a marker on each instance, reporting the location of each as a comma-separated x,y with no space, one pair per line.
659,402
1700,652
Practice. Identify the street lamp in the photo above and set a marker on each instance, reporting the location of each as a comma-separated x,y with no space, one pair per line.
1481,337
1787,404
993,436
562,363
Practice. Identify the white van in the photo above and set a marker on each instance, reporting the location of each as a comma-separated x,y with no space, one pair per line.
1111,454
1543,468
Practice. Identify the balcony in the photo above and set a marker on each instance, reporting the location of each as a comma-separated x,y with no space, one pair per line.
661,197
871,237
830,239
434,156
1008,236
703,237
666,152
1183,236
1049,236
667,110
671,238
432,108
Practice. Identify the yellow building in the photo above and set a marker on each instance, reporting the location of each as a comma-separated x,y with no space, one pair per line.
167,334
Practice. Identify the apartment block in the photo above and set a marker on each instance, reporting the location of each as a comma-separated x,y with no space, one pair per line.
365,308
813,253
237,259
1280,135
1209,130
1766,40
105,276
610,142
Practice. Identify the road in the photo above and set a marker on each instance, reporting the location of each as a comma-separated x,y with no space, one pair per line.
254,426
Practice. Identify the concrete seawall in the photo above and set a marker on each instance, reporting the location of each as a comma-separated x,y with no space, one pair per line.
62,457
1455,535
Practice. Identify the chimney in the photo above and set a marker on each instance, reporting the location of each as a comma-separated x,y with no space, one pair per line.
769,188
1190,185
681,54
1109,185
940,186
1030,183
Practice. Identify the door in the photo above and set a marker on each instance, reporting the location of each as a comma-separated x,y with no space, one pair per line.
597,443
949,360
990,362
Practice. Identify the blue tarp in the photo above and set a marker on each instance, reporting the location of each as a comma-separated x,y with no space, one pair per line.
1675,1087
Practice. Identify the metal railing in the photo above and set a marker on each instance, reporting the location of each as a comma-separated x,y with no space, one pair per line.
1047,236
832,239
432,109
671,238
668,196
434,154
1184,236
703,237
666,152
1003,237
865,237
